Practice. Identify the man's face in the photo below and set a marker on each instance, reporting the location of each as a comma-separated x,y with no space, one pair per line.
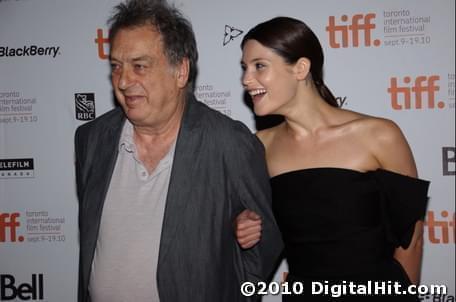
148,88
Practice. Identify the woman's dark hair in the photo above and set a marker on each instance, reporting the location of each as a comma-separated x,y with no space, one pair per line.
176,32
293,39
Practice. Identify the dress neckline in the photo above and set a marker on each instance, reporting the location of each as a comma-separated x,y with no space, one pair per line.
316,169
339,169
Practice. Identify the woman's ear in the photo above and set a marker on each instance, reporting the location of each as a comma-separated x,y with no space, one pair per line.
302,69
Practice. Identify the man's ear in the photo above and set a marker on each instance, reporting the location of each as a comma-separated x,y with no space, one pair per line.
182,72
302,69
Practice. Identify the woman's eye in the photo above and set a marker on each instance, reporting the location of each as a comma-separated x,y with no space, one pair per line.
259,66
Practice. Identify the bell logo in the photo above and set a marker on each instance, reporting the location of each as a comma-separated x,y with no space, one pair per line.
9,225
359,23
442,230
449,161
10,292
420,86
101,42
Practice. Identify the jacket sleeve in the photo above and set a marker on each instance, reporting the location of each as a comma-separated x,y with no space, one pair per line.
252,187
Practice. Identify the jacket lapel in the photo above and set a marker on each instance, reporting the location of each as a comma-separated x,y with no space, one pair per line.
181,181
103,162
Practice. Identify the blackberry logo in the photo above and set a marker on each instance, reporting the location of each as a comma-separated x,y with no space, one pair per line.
230,34
85,106
29,51
341,101
16,168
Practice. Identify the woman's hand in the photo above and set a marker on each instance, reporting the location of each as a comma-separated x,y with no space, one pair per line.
247,228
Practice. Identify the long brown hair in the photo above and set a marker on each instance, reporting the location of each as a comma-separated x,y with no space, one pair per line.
293,39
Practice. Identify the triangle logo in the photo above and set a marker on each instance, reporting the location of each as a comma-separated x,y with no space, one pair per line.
230,34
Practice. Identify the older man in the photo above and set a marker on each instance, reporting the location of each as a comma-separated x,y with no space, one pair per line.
161,179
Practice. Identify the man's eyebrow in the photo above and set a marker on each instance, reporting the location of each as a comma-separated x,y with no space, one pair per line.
135,59
142,58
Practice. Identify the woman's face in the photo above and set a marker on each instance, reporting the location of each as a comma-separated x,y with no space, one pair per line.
269,80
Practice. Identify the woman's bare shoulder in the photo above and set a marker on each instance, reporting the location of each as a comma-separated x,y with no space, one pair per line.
266,136
370,125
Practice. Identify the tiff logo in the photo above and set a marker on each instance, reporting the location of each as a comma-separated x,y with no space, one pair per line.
351,31
448,161
102,42
9,225
419,87
85,106
440,231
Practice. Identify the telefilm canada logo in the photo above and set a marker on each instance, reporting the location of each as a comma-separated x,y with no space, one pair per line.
85,106
12,289
230,34
16,168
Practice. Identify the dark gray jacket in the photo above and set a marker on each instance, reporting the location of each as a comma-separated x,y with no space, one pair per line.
218,170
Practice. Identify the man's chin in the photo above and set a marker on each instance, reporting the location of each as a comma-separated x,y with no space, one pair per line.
135,116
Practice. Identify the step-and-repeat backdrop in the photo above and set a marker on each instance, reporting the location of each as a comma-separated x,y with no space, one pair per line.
394,59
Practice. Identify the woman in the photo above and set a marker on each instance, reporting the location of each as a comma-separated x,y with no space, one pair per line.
345,192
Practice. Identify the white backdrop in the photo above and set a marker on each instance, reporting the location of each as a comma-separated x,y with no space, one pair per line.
54,76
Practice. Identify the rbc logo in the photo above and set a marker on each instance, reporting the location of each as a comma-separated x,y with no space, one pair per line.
420,86
348,33
9,225
85,106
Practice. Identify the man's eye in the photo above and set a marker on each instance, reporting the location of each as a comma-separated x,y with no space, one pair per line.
114,67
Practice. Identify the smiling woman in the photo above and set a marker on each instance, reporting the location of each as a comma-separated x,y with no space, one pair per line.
344,189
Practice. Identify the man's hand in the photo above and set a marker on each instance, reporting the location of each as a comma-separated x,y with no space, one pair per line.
248,228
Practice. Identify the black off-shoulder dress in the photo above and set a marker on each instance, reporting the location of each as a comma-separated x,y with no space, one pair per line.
340,229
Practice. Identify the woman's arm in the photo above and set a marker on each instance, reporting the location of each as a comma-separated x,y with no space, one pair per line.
393,153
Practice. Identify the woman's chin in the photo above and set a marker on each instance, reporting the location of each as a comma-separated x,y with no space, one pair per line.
260,111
